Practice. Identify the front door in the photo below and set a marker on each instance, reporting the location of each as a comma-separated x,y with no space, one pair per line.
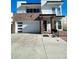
47,26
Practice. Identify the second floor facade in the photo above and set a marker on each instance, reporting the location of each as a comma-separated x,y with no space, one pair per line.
45,7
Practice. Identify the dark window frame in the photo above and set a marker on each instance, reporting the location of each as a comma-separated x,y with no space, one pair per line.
19,28
59,10
53,9
33,10
37,10
19,31
19,22
19,25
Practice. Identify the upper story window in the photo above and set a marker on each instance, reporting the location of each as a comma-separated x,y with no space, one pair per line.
29,10
59,10
32,10
53,9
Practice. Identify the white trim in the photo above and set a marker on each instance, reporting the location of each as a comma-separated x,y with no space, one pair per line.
16,27
56,11
61,10
19,3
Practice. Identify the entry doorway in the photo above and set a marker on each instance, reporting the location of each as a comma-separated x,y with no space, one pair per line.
45,25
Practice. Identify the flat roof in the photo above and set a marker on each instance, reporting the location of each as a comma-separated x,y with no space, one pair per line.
30,3
54,1
51,15
60,16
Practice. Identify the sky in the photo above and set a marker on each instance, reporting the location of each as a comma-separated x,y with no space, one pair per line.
14,2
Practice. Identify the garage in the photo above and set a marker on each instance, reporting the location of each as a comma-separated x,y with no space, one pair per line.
28,27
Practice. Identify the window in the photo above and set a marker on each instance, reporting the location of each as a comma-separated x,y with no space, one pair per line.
19,25
33,10
59,24
19,28
37,10
29,10
20,22
19,31
58,10
53,9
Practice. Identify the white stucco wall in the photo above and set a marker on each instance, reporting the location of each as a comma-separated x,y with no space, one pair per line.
44,1
19,3
46,9
19,8
11,18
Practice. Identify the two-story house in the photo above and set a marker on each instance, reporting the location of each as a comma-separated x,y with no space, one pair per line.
38,17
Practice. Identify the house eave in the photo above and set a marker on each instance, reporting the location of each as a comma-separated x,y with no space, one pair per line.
30,3
60,16
54,1
47,14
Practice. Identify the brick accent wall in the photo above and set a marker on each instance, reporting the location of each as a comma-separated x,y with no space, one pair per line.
24,16
63,34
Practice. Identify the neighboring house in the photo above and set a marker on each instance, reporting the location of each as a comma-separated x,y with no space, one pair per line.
38,17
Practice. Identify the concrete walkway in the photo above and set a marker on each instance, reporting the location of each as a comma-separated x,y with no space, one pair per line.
35,46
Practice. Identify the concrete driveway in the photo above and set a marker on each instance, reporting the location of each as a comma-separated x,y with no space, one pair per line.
35,46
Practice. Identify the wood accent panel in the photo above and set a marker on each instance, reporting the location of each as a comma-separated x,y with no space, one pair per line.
41,24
